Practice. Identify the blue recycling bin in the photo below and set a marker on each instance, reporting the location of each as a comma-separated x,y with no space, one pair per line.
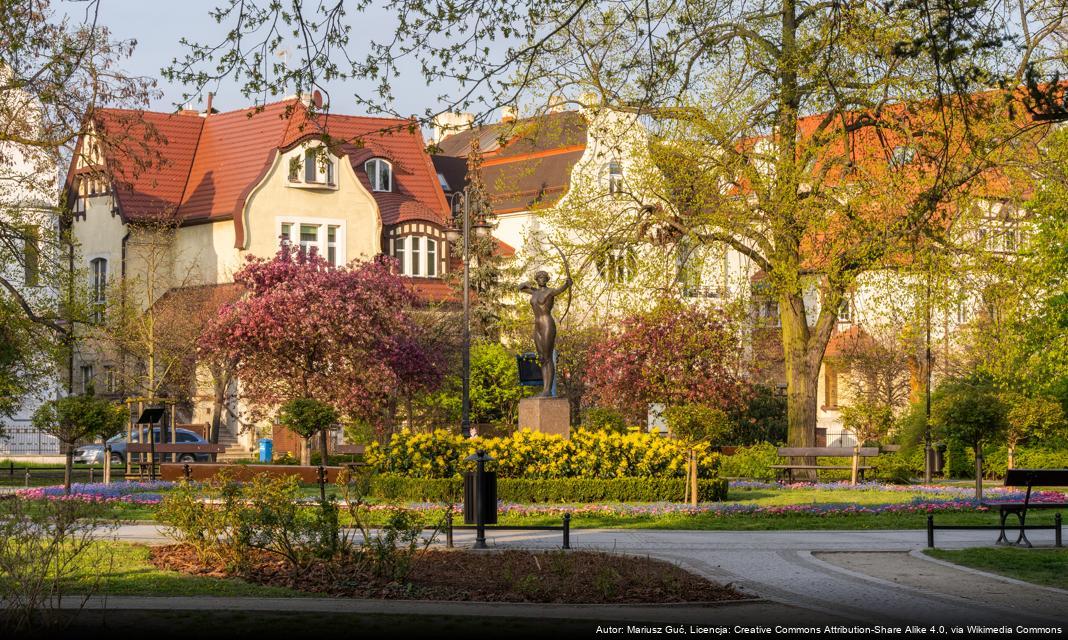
266,449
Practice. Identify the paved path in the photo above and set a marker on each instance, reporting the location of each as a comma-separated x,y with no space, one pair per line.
804,569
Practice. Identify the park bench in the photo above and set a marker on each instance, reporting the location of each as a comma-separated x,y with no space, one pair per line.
354,450
786,471
163,449
1029,478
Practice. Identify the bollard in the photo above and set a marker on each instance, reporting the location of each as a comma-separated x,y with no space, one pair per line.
567,530
1057,529
320,475
27,476
91,470
187,471
448,529
930,531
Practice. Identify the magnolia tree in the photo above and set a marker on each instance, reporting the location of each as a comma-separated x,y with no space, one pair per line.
339,335
673,355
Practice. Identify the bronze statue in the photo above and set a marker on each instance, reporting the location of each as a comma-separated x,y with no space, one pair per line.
542,298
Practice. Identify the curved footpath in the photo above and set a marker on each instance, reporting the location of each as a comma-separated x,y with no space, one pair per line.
844,577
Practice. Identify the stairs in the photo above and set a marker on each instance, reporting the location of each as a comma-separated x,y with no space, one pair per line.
234,449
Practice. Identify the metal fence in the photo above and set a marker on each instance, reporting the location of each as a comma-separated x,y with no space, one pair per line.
27,441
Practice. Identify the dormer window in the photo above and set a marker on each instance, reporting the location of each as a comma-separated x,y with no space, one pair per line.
615,177
318,167
380,174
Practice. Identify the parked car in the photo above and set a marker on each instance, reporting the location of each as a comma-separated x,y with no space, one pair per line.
94,453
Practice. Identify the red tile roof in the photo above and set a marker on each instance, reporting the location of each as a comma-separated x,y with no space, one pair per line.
205,167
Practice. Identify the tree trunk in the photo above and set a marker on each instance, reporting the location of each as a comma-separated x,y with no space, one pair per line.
802,383
68,468
855,466
1012,456
978,472
324,435
217,410
305,452
693,477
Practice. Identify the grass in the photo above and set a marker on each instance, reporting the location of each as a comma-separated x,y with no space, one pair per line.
1041,566
126,570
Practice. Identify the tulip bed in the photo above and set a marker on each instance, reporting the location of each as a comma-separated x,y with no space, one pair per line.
750,506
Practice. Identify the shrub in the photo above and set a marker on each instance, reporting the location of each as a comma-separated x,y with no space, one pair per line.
525,490
274,520
526,454
204,517
45,547
761,418
750,462
601,419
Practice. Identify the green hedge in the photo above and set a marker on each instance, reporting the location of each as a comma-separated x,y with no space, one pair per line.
525,490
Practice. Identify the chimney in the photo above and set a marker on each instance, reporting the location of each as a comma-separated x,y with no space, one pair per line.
509,113
445,124
207,109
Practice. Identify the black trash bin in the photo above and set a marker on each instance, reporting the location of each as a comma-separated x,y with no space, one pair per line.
487,496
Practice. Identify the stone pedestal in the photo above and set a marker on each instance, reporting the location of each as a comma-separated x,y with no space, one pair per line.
546,415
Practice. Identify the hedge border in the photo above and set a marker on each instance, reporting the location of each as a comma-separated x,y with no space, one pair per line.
528,491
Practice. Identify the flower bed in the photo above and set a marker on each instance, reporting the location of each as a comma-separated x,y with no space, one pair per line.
98,492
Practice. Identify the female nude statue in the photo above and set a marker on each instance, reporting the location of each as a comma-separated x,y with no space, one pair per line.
542,298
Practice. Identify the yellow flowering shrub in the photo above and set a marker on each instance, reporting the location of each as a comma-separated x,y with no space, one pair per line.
527,454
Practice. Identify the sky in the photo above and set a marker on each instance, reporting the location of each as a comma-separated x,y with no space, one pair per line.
159,26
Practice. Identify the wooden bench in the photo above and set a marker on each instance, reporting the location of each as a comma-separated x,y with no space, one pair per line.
161,449
1029,478
787,470
352,450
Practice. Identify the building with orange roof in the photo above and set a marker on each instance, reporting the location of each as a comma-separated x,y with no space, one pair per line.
183,198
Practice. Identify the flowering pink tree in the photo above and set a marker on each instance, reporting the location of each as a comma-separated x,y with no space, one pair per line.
673,355
307,329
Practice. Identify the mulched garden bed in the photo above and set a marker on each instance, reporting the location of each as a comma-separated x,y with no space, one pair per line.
568,577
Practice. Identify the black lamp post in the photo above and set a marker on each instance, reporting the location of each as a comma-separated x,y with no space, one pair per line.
454,234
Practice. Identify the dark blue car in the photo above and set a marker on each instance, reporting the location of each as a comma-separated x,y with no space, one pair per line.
94,453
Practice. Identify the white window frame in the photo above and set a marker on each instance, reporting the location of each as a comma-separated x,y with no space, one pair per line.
417,262
88,376
98,285
373,176
322,244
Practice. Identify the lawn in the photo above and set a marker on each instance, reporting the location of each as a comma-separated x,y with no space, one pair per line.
1041,566
126,570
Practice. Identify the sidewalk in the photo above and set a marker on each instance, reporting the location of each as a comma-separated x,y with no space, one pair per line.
802,575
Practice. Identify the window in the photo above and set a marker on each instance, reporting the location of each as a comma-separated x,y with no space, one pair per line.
845,310
86,377
331,244
615,177
327,239
902,155
416,255
98,282
766,312
31,255
617,264
109,380
830,387
310,160
431,258
186,437
309,237
380,174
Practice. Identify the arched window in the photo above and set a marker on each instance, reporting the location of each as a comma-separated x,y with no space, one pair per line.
380,174
614,174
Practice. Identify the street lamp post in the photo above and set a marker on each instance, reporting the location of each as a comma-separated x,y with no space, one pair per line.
454,234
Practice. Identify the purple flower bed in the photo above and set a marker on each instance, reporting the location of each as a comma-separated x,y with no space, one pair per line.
932,489
125,492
